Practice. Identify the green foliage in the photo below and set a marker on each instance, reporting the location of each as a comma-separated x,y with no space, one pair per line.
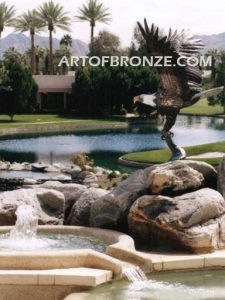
4,78
7,14
220,79
92,12
81,159
52,15
103,90
137,47
203,108
105,44
112,175
28,21
22,94
57,56
66,40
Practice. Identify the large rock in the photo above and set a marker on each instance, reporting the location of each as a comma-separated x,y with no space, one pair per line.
49,204
178,177
86,177
4,165
80,212
193,221
221,177
111,210
71,191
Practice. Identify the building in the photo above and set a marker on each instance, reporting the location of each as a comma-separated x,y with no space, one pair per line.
54,91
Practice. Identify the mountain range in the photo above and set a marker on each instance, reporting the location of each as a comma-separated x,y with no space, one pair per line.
21,42
213,41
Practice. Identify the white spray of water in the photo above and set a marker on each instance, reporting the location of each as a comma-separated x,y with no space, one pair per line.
26,223
135,274
23,236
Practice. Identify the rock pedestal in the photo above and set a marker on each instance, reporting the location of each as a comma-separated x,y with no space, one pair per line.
193,221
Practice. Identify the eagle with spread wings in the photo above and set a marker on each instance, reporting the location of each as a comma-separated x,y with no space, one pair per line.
180,80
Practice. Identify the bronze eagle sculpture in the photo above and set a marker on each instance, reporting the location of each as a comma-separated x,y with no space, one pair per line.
181,82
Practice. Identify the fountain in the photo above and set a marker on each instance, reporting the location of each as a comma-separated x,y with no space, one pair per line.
29,246
24,236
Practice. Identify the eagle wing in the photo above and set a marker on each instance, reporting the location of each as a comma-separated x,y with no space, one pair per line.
182,81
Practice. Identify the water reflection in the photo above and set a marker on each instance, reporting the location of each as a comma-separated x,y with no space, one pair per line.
105,146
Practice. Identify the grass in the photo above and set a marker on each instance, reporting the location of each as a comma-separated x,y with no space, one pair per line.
202,108
39,119
163,155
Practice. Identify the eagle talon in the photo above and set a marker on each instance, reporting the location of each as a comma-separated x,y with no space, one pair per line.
166,135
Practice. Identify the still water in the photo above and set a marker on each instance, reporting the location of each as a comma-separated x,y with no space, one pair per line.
105,146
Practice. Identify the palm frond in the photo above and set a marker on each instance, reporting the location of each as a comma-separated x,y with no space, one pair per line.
93,11
29,21
7,14
54,12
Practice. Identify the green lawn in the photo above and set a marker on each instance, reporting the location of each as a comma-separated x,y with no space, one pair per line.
163,155
202,108
39,119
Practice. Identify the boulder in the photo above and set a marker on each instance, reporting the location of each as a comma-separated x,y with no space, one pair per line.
4,165
49,204
52,169
111,210
86,177
99,171
74,172
16,167
221,177
38,167
209,172
80,212
191,221
71,192
174,178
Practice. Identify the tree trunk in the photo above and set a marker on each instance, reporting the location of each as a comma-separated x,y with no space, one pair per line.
32,54
50,53
92,34
37,63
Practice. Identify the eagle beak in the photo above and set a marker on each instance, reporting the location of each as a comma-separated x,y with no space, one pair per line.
136,99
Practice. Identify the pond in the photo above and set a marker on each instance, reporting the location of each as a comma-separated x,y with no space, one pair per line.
106,146
171,286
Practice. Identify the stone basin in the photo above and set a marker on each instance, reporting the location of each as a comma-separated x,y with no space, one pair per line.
46,259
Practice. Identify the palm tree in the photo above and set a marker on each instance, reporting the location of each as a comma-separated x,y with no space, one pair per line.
39,54
53,15
93,12
7,14
29,21
66,40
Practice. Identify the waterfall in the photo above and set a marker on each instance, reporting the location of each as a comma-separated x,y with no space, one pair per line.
23,236
26,223
135,274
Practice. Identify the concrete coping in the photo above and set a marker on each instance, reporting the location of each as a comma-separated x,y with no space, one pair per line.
83,277
88,258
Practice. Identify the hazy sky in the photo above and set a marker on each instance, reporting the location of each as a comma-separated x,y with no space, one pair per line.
200,16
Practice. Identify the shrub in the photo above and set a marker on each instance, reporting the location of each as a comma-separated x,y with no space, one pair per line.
81,159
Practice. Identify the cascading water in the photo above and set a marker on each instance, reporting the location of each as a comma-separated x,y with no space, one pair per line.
135,274
23,236
26,223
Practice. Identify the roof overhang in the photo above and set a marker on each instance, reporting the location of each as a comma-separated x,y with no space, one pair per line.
54,83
